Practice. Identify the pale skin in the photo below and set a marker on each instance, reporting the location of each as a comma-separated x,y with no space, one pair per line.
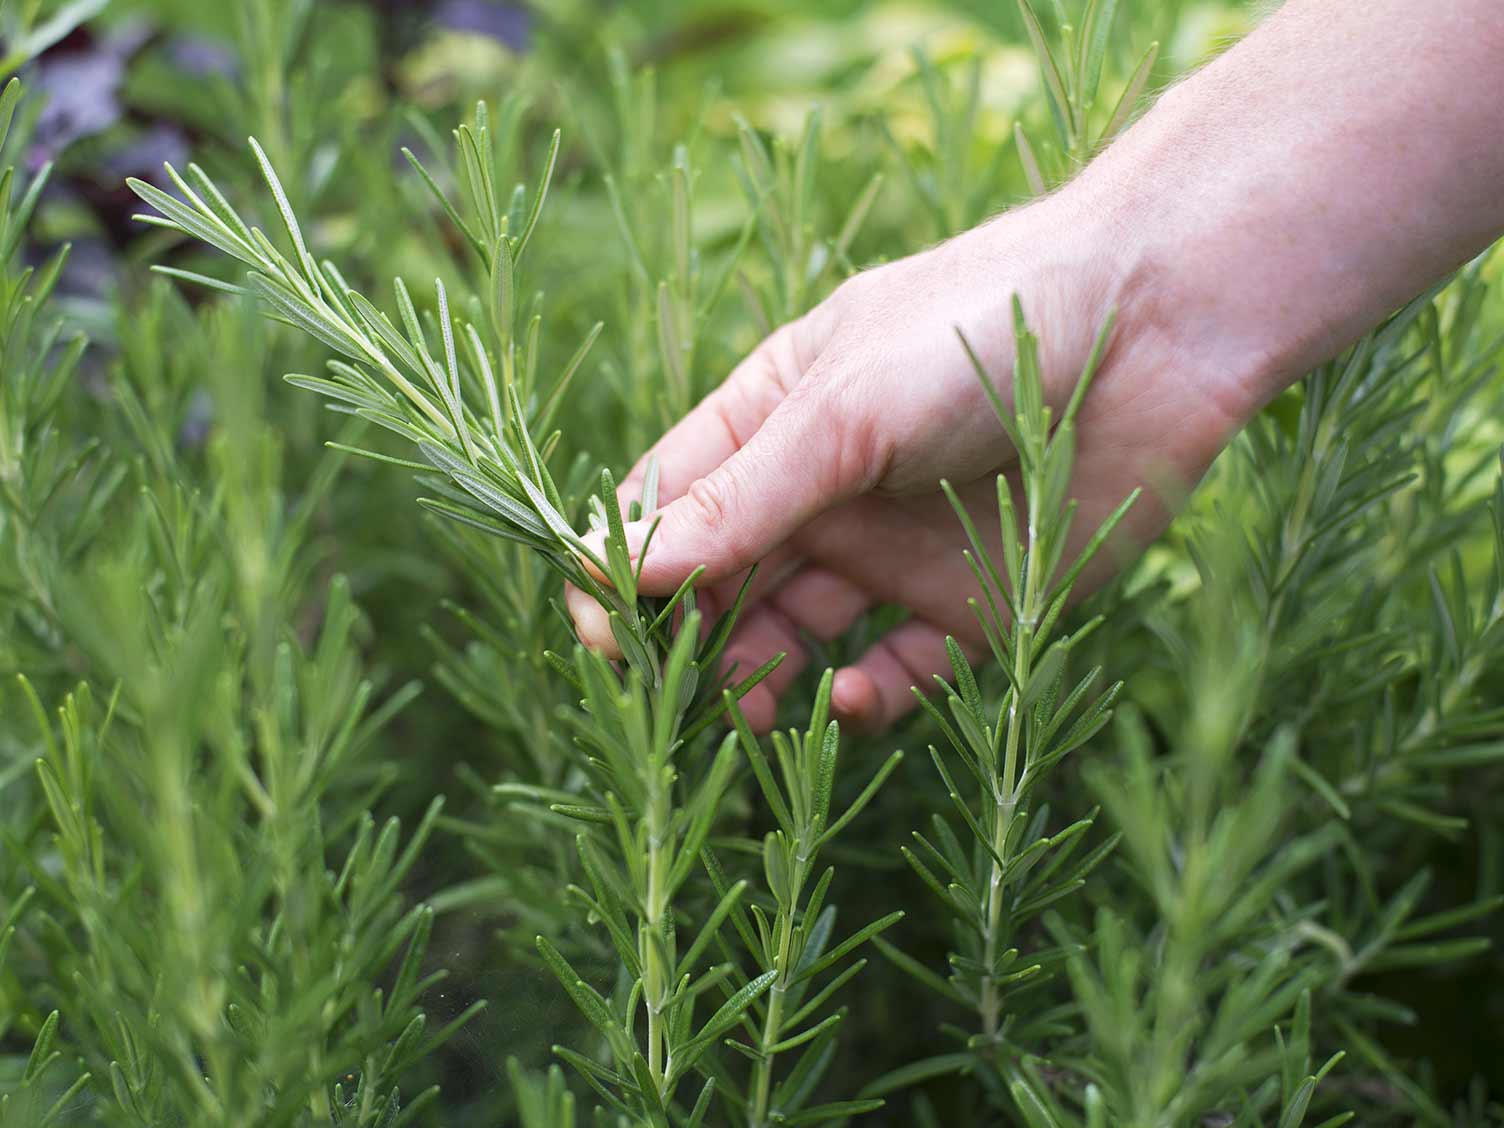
1264,214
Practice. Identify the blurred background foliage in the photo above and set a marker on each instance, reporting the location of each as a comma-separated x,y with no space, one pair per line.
240,600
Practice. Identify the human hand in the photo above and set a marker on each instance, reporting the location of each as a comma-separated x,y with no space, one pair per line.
822,453
1243,230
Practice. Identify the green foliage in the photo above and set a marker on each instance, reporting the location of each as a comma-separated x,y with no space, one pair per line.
636,727
1016,865
1216,848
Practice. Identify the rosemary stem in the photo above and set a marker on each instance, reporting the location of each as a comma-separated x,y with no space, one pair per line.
1004,789
763,1079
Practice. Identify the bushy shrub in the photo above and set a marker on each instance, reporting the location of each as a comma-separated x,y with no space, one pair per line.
1216,846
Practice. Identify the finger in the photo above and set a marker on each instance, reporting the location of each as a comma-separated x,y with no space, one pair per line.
714,431
760,708
773,571
821,603
591,623
796,466
716,427
762,635
875,691
814,604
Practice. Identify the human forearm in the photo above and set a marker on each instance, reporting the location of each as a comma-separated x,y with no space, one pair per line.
1282,200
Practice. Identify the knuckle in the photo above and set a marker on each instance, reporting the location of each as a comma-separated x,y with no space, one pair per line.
869,451
851,425
708,503
786,359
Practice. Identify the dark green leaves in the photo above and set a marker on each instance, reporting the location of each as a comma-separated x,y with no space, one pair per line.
1015,867
798,784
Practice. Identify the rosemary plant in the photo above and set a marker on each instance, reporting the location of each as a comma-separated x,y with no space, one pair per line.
652,797
1072,78
780,187
1016,864
671,281
1181,1020
794,943
961,176
1268,894
142,854
37,1098
36,464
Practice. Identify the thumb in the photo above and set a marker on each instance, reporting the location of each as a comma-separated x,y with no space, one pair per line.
791,470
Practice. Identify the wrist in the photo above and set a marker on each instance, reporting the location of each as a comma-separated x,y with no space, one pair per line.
1194,284
1063,262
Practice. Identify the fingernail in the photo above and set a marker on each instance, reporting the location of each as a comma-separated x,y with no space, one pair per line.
593,626
635,533
853,698
595,541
